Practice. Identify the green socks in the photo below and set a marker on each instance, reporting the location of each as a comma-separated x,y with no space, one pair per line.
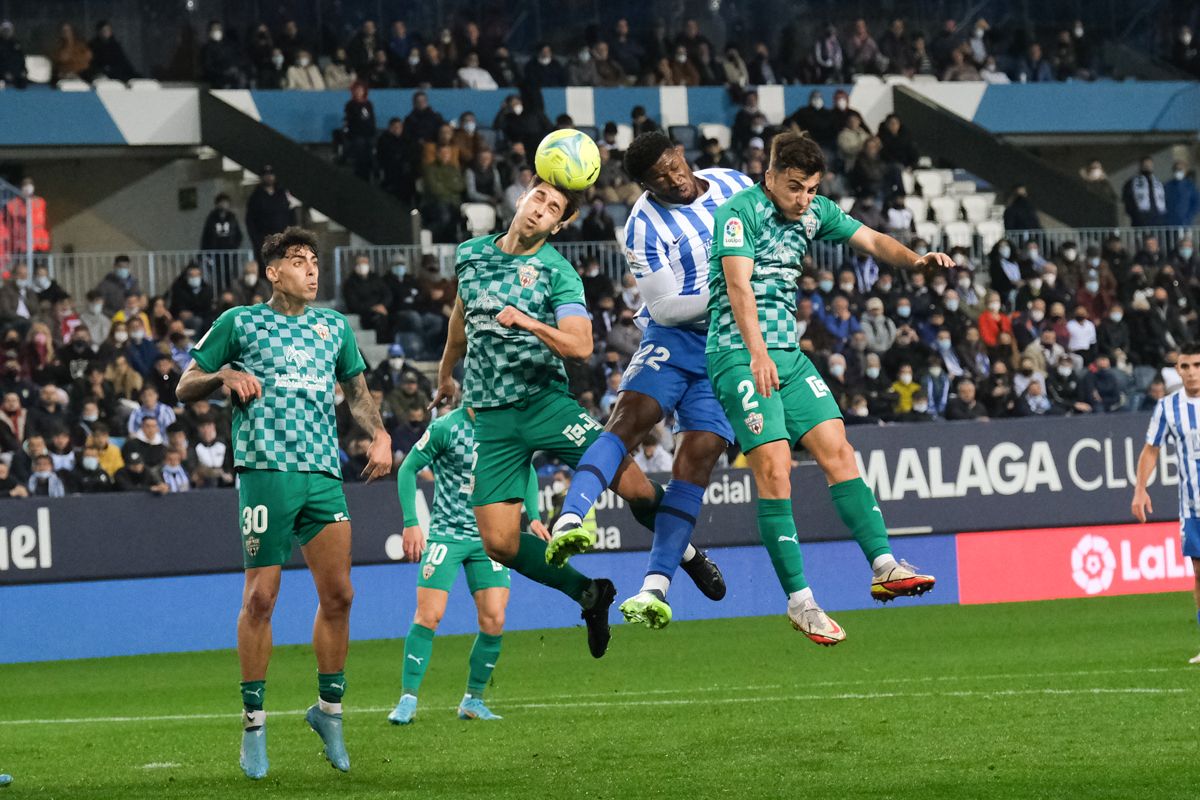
777,528
252,694
856,505
484,655
418,646
331,686
530,561
645,512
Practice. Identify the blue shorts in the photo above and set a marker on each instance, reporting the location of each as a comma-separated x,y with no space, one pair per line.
671,367
1189,534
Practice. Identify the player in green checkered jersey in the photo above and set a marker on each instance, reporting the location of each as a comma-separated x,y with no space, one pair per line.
447,448
771,393
520,311
279,360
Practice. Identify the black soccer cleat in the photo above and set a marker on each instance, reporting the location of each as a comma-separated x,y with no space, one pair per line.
596,617
706,575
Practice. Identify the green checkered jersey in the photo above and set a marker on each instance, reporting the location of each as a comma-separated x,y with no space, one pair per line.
296,359
448,448
749,225
505,365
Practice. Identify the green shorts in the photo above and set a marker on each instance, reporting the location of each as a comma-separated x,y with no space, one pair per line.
277,509
802,401
506,439
439,567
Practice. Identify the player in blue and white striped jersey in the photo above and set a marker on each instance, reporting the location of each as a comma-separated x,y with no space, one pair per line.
667,239
1176,418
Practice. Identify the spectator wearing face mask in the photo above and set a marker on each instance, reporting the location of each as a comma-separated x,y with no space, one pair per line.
173,473
1113,333
150,408
840,324
1182,197
973,354
817,120
904,388
136,477
544,70
829,57
965,404
1004,270
1145,196
1020,213
141,350
1064,390
88,477
1082,339
190,299
946,357
876,387
919,412
366,294
936,383
304,74
1035,403
908,350
880,331
218,61
117,285
1032,367
44,481
851,140
1185,261
1103,388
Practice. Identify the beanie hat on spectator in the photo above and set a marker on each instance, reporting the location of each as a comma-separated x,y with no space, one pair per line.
396,351
133,458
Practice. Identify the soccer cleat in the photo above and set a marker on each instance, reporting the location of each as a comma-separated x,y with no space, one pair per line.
816,624
404,711
5,779
570,538
473,708
706,575
1194,659
901,580
329,728
254,753
649,607
596,617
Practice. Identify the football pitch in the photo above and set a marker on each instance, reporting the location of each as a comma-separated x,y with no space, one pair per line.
1065,699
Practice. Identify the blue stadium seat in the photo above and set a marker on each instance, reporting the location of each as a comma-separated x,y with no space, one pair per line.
619,213
685,135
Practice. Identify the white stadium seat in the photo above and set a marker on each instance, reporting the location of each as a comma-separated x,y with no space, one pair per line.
919,207
931,183
846,203
909,182
144,84
711,130
976,207
960,188
990,231
38,69
945,209
929,231
959,234
481,217
624,136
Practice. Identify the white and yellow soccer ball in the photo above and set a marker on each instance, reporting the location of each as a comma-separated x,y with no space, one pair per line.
568,159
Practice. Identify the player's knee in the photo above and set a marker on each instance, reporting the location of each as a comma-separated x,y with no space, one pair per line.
839,463
502,550
337,601
427,618
259,603
775,478
491,622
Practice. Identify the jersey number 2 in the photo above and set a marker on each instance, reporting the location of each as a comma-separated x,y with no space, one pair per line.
651,356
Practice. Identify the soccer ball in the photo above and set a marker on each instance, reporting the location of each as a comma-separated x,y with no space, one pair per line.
568,159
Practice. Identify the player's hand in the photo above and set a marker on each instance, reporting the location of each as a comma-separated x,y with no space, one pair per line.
539,529
934,260
1141,504
242,385
510,317
766,374
414,542
379,457
445,393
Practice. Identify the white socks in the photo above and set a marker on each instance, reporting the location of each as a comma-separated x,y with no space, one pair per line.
253,719
329,708
690,553
802,598
658,582
883,563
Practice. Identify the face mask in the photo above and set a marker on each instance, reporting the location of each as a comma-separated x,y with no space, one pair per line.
363,270
906,378
217,36
1185,253
138,336
43,476
939,288
1092,286
195,282
90,417
518,109
1094,261
979,33
122,273
1049,278
1037,315
952,305
837,370
846,287
1181,302
1031,254
1005,251
91,463
277,61
1116,316
469,126
544,60
921,250
396,363
1035,284
120,337
825,286
943,344
558,487
994,307
872,372
414,61
921,408
250,280
960,259
842,104
903,311
884,287
818,103
1070,253
1096,174
42,283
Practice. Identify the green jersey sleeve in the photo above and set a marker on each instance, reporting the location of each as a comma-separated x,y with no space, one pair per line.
835,225
735,226
349,359
221,345
532,507
566,291
420,457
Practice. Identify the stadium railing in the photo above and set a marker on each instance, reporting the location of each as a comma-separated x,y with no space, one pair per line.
155,270
1050,240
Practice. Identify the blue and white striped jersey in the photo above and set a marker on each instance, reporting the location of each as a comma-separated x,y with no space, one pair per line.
1177,417
667,248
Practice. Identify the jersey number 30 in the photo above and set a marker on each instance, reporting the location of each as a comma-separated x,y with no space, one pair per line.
254,520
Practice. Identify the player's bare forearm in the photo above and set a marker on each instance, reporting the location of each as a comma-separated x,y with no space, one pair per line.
1147,462
571,339
737,271
889,251
363,408
456,344
196,384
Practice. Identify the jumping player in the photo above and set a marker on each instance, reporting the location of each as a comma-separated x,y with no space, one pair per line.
771,393
1174,419
279,360
447,449
667,240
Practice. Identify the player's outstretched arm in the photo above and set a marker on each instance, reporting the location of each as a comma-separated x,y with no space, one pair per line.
366,415
456,350
572,338
737,271
196,384
885,249
1147,462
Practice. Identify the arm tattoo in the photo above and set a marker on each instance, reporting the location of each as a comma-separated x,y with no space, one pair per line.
362,405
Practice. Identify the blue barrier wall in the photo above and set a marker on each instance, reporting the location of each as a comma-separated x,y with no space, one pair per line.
109,618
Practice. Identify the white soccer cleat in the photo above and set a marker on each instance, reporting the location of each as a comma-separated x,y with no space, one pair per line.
1194,659
815,624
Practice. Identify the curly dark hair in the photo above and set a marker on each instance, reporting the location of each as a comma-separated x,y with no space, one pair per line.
276,245
645,150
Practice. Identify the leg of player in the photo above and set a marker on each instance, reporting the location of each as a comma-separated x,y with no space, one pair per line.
858,509
694,461
328,559
772,467
418,647
490,604
1196,594
254,654
500,529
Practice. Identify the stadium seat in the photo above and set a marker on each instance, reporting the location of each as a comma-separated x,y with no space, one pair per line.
846,203
619,212
590,130
103,84
624,136
38,69
908,181
721,133
74,85
488,135
959,234
480,217
684,135
990,231
918,206
929,231
960,188
144,84
931,183
945,209
976,207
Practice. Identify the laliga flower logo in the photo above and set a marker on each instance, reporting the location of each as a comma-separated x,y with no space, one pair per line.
1093,564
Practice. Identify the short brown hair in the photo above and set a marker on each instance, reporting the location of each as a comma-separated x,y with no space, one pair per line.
276,245
574,199
792,150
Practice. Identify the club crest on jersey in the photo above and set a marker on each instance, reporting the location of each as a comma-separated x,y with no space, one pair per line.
427,570
252,543
754,421
322,330
809,221
733,234
528,275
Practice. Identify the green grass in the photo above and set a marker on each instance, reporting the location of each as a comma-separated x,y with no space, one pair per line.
1070,699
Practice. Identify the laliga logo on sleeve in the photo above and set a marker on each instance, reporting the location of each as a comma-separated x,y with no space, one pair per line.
733,236
1093,564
